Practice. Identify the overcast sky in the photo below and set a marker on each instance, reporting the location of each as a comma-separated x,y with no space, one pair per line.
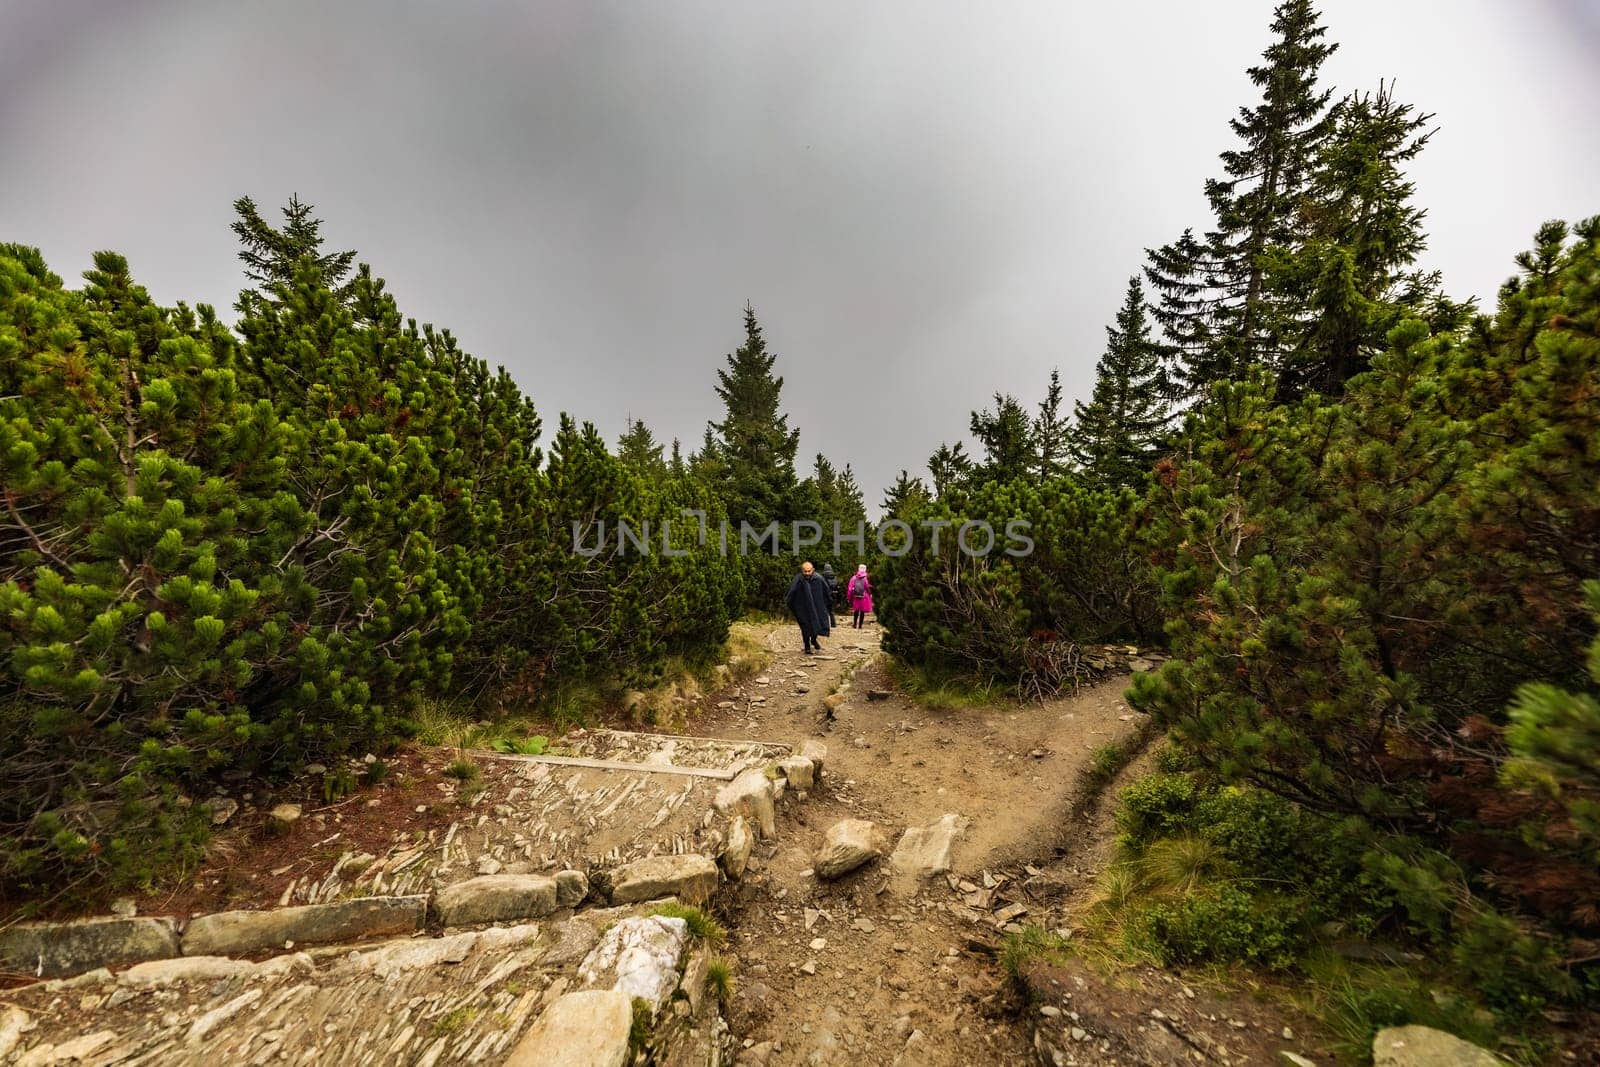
925,202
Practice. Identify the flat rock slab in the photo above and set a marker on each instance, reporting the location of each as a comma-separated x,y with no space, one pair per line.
691,878
850,843
233,933
584,1029
57,950
639,957
1423,1046
924,851
497,898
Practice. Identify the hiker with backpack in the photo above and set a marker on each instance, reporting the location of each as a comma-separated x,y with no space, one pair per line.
859,593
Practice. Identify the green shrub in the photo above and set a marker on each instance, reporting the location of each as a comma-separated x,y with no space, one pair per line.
1158,805
1221,923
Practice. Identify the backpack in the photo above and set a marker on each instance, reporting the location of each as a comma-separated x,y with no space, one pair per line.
858,588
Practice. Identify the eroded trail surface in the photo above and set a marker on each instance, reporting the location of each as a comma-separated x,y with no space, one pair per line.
873,968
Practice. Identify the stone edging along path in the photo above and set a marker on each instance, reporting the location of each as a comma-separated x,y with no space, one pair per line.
51,950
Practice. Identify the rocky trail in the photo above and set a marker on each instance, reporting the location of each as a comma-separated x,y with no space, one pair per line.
897,963
866,855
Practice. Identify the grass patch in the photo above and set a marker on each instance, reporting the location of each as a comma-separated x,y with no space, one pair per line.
640,1032
701,925
719,979
941,692
463,770
1034,943
455,1021
376,772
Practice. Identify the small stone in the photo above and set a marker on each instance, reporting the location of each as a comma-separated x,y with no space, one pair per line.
818,944
489,865
124,907
1079,1034
283,817
1049,1011
571,888
316,768
1288,1034
848,844
1010,912
222,809
810,915
864,925
808,967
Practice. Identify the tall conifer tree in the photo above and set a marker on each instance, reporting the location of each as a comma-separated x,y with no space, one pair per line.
752,448
1215,298
1119,433
1050,430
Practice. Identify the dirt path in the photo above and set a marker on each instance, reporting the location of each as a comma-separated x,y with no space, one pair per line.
852,971
866,971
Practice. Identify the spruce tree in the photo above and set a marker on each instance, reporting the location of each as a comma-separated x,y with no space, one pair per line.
1007,439
1362,234
1120,432
851,502
751,451
1051,431
271,255
905,497
638,449
948,466
676,464
1215,299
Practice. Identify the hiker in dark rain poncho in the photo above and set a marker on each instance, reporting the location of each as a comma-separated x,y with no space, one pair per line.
807,601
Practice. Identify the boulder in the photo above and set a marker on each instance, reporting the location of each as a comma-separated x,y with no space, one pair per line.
585,1029
735,855
817,753
690,877
849,844
56,950
799,771
925,850
234,933
638,956
496,898
571,888
1423,1046
750,795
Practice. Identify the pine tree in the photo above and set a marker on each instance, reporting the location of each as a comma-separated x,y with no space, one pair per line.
752,450
1121,431
1051,431
676,464
638,449
271,255
1362,234
948,466
1216,302
1007,439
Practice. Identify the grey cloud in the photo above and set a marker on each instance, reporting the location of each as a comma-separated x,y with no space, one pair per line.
925,202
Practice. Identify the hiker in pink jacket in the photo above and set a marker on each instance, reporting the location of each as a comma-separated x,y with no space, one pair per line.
859,593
